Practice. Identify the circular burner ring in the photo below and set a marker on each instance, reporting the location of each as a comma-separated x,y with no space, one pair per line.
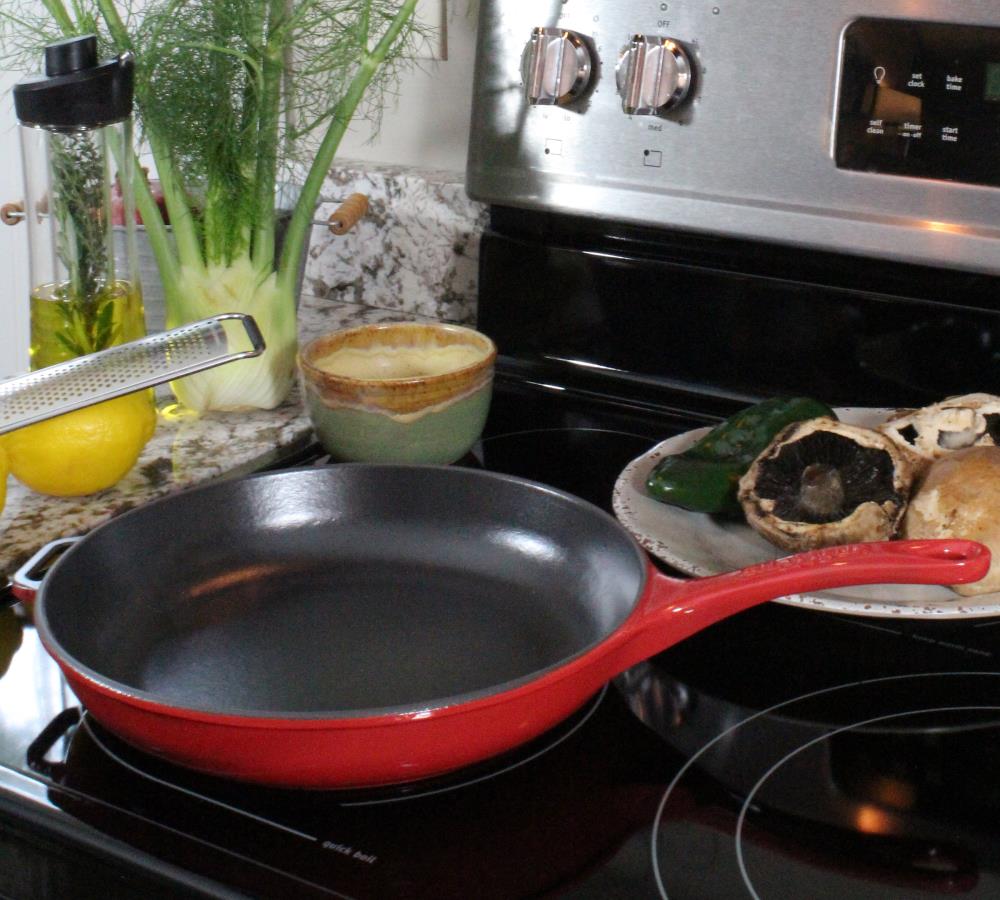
749,799
145,765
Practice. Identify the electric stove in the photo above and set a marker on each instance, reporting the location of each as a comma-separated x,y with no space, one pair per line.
692,209
784,752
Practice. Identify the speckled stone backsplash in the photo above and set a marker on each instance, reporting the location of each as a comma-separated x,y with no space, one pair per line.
414,256
416,251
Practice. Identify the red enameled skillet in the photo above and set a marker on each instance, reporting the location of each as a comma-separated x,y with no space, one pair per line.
359,624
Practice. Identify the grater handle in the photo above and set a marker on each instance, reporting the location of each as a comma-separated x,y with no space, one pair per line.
126,368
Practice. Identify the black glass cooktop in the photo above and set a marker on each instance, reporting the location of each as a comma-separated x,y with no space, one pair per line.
781,753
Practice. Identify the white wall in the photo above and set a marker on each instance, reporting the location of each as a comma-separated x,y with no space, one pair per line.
427,125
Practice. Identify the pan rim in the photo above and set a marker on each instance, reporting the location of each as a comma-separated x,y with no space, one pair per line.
433,707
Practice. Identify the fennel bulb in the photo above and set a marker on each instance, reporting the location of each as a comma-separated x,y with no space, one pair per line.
262,382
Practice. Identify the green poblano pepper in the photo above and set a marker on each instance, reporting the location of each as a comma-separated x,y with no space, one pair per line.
704,477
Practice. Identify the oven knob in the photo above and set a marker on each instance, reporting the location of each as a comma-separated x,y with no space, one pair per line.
556,66
653,75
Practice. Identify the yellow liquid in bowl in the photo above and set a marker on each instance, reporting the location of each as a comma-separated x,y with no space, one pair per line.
393,363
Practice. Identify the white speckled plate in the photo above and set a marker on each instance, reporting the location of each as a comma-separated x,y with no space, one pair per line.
698,544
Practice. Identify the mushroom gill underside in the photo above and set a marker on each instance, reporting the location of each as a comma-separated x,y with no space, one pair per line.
822,489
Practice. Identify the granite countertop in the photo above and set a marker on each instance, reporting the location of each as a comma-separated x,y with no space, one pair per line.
183,451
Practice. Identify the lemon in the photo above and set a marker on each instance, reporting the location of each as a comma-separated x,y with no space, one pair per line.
85,451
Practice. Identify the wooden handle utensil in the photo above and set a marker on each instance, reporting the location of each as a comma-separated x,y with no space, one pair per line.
346,216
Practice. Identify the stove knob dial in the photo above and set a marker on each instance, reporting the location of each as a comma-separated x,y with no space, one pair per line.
653,75
556,66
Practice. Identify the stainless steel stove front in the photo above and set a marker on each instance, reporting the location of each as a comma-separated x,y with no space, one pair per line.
582,106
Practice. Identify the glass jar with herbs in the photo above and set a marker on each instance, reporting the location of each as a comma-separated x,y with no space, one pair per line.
76,143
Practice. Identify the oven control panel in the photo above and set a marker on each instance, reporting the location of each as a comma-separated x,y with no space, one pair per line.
920,99
870,128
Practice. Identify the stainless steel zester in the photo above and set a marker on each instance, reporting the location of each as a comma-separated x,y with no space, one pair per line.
153,360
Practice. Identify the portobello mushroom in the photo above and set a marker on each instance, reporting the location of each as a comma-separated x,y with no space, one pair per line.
932,432
822,482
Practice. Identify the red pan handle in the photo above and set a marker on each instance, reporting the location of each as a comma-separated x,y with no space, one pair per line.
673,610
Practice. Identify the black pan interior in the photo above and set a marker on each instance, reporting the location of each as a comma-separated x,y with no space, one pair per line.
348,589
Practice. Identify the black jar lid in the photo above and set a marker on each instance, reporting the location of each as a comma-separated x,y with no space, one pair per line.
76,90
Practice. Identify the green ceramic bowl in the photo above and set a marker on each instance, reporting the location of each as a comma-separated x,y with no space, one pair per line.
398,392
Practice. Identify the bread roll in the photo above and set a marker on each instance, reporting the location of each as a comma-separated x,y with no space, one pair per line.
959,497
